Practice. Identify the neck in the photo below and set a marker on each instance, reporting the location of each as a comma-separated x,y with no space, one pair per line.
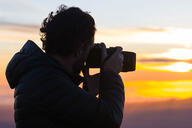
67,62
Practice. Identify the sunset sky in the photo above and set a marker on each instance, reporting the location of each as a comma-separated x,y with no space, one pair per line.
158,31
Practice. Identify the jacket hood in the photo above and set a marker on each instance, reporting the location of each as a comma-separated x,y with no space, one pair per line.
29,57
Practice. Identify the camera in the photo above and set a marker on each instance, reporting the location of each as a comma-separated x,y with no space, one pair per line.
94,58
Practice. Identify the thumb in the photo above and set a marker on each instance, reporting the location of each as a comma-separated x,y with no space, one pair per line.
85,72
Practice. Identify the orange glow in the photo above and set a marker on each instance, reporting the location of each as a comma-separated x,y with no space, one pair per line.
160,89
151,81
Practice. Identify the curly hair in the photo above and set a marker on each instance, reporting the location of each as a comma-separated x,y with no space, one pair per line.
66,30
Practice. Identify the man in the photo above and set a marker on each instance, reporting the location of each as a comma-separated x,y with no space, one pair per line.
46,83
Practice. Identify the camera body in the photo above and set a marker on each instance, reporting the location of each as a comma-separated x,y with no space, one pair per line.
94,58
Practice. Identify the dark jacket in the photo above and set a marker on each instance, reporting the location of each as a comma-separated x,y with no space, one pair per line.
46,96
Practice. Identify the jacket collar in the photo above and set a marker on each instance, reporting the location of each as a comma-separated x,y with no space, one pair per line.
77,79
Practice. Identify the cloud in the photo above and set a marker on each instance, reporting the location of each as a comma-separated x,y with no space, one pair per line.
166,60
152,29
127,31
156,60
175,53
154,75
12,32
18,27
146,35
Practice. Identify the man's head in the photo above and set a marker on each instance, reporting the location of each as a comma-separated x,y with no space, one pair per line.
68,33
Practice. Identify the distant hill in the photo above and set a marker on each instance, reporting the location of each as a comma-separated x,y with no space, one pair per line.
162,114
6,116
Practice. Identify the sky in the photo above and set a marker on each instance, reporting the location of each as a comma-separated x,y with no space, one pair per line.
108,13
158,31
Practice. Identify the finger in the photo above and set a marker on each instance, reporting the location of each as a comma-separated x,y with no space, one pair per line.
97,76
85,72
121,57
103,52
117,52
119,49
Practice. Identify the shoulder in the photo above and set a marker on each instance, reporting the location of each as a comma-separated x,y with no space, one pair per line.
43,78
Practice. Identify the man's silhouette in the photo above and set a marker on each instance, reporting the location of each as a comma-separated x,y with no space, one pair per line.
47,92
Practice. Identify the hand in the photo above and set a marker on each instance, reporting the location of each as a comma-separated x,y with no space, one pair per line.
115,62
91,82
